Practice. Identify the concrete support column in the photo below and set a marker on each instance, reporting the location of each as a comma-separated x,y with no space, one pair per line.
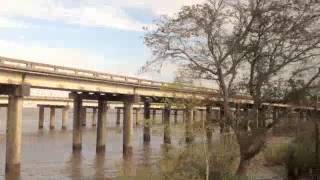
154,113
147,123
84,116
127,127
101,128
222,122
52,117
65,113
184,114
201,115
77,131
194,119
13,137
41,117
94,117
189,128
301,117
137,116
275,114
162,116
175,114
118,116
166,124
209,122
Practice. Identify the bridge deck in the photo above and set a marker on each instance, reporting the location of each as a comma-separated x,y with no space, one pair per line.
40,75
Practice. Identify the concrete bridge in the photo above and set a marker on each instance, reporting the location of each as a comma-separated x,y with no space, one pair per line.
98,90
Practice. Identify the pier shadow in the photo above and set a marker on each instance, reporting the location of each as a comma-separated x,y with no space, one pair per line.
74,166
99,166
129,169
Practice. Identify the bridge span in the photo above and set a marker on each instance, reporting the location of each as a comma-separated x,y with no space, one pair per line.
99,90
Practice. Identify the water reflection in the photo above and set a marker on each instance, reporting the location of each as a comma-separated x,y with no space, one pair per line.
99,166
75,165
129,169
47,154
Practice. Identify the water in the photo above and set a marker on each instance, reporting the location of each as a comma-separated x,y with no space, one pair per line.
47,154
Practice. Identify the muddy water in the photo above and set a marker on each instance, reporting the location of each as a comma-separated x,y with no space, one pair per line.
47,154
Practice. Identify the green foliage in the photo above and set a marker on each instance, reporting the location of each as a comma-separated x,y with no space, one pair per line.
189,163
276,154
299,153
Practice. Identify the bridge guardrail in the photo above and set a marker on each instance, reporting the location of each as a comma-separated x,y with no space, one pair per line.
22,64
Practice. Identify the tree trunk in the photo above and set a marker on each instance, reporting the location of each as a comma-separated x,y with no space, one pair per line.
316,128
243,167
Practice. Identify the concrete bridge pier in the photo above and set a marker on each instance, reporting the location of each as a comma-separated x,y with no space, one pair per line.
41,117
94,117
154,113
52,118
14,127
162,116
101,128
127,127
301,116
275,114
147,123
209,122
201,115
194,119
13,138
65,113
77,122
166,124
137,112
188,125
175,116
184,115
84,116
118,116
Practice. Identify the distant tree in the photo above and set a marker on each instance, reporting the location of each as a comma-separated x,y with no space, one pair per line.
261,48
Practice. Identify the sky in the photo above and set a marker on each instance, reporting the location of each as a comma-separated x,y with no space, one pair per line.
101,35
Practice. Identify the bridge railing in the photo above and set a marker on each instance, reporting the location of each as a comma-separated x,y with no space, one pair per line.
27,65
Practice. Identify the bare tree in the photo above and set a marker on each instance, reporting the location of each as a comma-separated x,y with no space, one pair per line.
249,46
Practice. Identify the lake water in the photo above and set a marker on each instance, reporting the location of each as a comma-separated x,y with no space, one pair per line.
47,154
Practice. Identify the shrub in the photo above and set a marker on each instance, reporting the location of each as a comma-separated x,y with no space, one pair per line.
276,154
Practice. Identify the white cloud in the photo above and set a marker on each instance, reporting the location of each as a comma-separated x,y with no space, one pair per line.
157,7
83,13
9,23
75,58
97,13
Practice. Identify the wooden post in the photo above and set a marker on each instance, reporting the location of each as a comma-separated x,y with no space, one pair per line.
101,128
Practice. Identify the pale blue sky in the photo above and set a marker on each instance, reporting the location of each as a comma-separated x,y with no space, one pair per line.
104,35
